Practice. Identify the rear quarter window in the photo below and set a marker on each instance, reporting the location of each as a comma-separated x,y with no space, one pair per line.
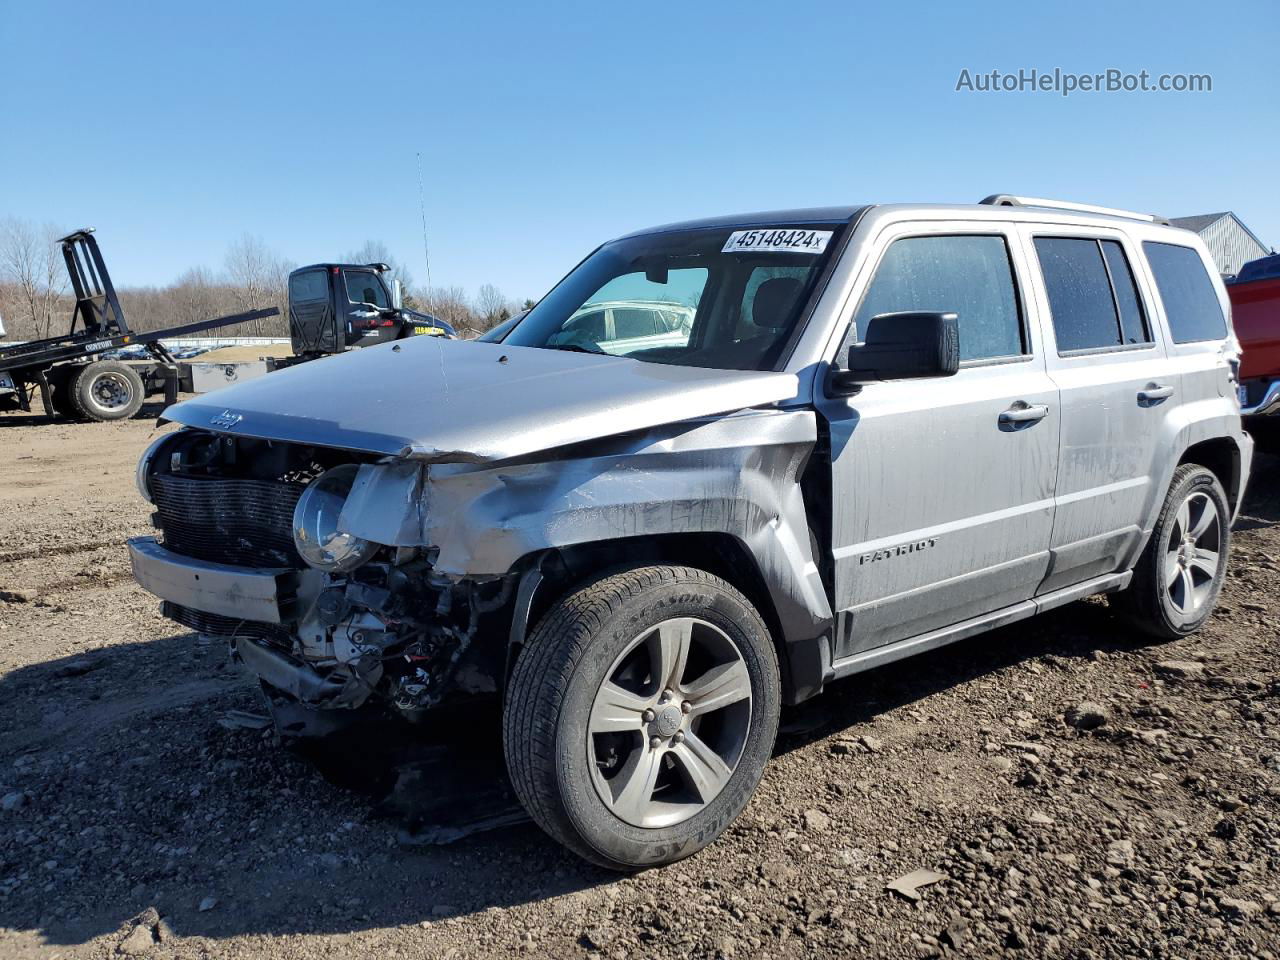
312,285
1190,302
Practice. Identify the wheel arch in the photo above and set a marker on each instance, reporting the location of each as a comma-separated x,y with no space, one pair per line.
548,575
1222,456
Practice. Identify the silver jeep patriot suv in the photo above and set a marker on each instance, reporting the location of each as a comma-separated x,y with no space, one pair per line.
720,465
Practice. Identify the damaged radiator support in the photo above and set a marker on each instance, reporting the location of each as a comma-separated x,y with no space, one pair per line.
387,633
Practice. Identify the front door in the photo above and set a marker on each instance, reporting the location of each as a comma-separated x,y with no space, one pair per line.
943,489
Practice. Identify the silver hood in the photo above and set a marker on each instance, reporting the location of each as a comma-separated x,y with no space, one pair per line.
463,401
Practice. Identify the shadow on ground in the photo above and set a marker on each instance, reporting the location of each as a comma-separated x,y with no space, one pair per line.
134,794
14,419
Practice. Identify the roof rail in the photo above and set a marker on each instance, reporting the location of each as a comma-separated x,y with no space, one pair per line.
1008,200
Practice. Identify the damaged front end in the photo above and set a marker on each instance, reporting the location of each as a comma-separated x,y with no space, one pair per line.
339,611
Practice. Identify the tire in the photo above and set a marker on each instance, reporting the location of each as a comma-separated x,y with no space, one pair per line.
707,759
107,390
60,394
1175,583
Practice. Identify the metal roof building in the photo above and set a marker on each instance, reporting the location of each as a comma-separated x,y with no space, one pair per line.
1230,242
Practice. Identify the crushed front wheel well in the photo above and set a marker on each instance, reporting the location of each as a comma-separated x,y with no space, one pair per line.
550,575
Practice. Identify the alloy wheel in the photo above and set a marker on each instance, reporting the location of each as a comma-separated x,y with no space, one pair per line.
669,723
1193,554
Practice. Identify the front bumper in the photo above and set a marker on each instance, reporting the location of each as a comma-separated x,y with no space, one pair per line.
262,594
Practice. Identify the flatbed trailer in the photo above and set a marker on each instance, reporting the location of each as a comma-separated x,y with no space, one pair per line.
70,372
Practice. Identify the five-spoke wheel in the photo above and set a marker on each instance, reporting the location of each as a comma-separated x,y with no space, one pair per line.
1177,579
1193,553
669,722
640,714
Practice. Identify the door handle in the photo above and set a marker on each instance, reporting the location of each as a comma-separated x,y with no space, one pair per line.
1024,413
1154,393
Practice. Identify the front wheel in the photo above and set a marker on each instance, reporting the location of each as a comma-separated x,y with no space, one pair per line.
1179,576
640,715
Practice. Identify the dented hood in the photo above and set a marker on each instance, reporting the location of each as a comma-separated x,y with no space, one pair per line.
465,401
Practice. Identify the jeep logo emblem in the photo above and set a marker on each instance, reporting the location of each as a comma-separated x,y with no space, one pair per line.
226,419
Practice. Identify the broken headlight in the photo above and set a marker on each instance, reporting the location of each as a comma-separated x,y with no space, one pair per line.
142,475
315,524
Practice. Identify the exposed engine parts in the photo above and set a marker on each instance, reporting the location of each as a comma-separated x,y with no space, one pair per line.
390,631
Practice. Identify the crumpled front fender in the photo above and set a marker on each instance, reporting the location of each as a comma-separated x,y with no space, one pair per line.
735,474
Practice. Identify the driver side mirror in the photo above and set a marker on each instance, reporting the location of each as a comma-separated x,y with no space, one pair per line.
397,294
900,346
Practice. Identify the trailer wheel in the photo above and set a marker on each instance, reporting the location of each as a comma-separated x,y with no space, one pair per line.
60,388
107,390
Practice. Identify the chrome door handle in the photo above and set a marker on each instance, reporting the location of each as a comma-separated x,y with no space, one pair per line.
1154,392
1024,413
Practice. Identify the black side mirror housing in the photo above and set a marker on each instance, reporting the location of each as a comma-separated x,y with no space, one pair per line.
900,346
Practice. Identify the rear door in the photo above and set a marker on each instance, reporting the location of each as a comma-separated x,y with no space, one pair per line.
313,326
942,489
1117,387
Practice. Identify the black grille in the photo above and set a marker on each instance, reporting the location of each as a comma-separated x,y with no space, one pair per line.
246,523
215,625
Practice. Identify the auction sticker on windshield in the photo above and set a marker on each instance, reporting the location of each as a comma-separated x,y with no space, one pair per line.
777,241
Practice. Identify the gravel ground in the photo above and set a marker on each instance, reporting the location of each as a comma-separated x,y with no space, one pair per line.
1071,789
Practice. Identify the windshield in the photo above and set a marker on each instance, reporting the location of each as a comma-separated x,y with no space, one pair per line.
713,297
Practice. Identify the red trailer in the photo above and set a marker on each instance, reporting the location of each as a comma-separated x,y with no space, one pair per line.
1255,312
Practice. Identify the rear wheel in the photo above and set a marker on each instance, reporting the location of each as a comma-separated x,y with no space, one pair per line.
107,390
1177,581
640,715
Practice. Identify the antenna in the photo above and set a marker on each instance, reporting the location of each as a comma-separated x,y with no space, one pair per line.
422,205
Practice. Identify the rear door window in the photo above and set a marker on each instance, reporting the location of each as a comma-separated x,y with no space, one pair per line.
635,322
308,287
969,275
1190,302
1133,322
1092,295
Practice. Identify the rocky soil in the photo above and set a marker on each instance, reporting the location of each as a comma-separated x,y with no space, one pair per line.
1060,788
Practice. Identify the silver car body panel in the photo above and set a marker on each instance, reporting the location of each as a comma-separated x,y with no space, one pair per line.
735,475
431,399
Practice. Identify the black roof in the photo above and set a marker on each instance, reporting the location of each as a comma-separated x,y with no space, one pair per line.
330,266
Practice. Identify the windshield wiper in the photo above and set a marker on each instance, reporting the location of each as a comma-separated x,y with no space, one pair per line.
574,348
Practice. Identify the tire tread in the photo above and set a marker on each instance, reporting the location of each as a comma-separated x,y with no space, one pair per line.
541,677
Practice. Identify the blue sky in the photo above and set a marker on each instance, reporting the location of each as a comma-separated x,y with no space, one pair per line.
545,128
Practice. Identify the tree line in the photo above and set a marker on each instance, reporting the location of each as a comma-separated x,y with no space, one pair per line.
36,299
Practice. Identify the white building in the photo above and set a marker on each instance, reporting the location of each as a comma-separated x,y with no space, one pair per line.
1230,242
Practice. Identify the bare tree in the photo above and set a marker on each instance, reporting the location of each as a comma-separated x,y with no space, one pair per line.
450,305
31,261
260,279
375,251
492,305
196,295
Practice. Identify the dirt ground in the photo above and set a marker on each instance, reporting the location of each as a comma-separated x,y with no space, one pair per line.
137,818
